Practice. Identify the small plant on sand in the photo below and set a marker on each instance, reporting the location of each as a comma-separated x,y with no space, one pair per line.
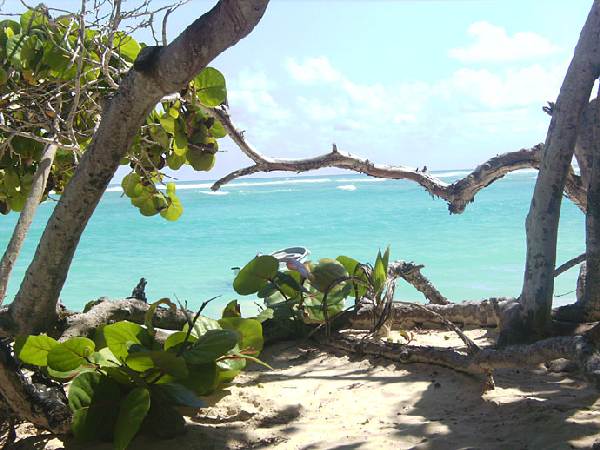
126,380
316,293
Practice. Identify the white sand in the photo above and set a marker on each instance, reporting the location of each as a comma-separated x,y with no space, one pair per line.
315,400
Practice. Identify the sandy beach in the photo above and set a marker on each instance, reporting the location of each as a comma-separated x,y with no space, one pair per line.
317,400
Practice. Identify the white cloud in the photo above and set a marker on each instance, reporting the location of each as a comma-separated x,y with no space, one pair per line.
530,85
493,44
251,91
313,70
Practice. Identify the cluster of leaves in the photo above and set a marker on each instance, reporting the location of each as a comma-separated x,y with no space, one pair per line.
179,132
125,380
44,62
309,292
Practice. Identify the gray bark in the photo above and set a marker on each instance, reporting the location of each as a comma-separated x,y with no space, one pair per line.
38,186
34,307
533,320
411,273
458,194
591,293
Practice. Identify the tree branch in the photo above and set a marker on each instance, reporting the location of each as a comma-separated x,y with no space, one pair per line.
458,194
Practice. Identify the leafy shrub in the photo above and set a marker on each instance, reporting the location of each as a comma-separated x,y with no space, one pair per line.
125,380
309,292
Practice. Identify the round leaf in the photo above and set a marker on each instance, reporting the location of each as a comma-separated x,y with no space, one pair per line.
255,275
210,87
132,412
34,349
70,354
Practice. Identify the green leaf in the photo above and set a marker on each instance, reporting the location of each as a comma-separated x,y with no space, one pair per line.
177,338
255,274
232,309
163,420
132,185
180,395
126,46
379,273
149,316
210,87
34,349
354,269
180,143
121,335
175,161
386,258
265,314
327,274
217,130
212,345
33,18
94,399
175,209
167,362
202,325
250,331
168,123
132,412
71,354
202,379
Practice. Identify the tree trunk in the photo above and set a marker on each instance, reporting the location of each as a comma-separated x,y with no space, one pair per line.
26,216
591,291
172,67
532,319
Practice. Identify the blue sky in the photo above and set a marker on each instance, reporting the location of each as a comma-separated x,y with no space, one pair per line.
442,83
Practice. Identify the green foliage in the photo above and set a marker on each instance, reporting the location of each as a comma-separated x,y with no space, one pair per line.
126,381
255,275
311,293
39,57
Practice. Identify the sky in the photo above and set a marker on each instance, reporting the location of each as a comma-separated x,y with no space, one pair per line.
442,83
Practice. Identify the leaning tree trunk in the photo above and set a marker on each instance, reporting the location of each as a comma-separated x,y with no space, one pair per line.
165,71
34,198
532,319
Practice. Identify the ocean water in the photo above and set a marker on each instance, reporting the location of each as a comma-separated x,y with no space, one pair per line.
470,256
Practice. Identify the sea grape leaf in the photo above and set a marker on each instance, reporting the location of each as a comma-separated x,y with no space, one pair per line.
210,346
149,316
132,412
71,354
121,335
34,349
93,398
250,331
327,273
232,309
166,362
255,275
175,209
210,87
180,395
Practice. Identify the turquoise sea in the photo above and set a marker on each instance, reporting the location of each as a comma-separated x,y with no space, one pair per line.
477,254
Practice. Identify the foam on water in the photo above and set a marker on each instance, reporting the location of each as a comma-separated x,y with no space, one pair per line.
347,187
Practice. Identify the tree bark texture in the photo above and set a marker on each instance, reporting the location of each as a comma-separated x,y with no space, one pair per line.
173,67
38,186
533,320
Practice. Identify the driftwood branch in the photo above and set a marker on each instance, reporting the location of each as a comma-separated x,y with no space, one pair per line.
458,194
26,402
411,273
105,311
581,349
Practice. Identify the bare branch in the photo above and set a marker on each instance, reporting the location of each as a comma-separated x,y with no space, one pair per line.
458,194
411,273
568,264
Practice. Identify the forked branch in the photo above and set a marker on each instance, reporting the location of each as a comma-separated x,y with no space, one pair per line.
458,194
